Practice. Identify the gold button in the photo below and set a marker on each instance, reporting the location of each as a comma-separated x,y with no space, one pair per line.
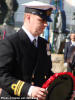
32,83
45,77
33,76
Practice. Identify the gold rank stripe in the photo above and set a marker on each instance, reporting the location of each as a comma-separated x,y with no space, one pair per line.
17,87
19,92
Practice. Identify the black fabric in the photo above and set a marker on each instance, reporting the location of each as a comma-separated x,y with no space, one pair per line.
61,88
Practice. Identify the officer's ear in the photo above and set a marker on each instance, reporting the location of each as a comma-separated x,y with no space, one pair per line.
26,16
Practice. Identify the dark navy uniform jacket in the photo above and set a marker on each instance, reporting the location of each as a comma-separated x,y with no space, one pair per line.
68,51
19,59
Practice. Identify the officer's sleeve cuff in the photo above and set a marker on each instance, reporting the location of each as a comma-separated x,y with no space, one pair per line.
20,88
25,89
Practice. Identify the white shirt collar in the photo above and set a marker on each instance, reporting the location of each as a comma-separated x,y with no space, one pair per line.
31,37
73,43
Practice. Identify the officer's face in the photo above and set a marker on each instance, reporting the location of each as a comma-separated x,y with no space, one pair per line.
37,25
72,36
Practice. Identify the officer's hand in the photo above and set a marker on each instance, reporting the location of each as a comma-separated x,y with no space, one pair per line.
39,93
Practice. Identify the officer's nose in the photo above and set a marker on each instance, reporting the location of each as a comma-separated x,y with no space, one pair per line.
45,23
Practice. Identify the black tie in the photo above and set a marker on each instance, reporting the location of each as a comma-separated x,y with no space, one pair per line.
34,42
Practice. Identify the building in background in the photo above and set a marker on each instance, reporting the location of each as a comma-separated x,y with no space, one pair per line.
69,7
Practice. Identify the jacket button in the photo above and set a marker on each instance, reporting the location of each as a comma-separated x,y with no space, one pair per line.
45,77
32,83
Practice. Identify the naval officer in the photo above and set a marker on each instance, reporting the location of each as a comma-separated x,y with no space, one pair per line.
25,59
69,50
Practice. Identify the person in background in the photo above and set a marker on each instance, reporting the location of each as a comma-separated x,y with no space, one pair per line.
71,61
68,50
25,60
